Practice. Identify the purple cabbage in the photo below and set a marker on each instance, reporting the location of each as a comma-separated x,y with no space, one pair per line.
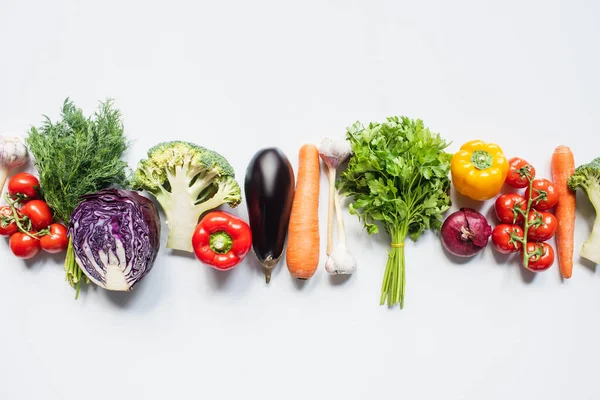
116,237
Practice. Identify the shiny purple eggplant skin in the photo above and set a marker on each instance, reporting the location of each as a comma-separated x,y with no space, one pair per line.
269,189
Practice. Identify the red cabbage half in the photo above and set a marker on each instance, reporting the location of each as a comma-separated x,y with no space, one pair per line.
116,236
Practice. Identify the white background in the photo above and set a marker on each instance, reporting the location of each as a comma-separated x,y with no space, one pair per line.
235,76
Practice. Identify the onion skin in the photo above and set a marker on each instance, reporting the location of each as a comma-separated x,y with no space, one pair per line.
465,232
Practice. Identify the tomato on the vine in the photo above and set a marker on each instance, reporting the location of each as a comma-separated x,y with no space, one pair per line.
7,221
56,241
504,238
544,194
542,225
24,246
518,171
39,213
506,208
23,186
542,256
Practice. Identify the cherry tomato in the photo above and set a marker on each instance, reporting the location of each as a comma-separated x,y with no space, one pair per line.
56,241
545,190
39,213
542,226
505,208
517,170
502,238
542,256
23,245
7,222
23,186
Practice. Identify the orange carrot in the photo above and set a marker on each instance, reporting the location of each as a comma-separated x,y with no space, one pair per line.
302,254
563,166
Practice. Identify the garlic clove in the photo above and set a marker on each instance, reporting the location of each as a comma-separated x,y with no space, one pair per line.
330,266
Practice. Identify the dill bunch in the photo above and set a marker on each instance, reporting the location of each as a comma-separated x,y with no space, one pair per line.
78,155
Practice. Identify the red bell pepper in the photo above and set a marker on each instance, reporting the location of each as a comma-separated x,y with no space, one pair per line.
221,240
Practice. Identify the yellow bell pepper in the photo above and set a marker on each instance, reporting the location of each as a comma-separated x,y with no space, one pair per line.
479,170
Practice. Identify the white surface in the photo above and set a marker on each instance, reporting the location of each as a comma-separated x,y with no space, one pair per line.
241,75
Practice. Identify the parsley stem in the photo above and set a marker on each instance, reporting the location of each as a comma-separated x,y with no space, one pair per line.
394,282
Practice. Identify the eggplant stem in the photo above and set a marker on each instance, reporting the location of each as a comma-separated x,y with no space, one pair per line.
268,265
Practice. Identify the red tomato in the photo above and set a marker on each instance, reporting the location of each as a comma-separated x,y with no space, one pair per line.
505,208
545,192
7,221
518,169
39,213
542,256
542,226
23,245
56,241
23,186
503,238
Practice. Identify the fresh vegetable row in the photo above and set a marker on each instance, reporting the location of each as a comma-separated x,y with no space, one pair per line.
113,233
398,177
480,170
525,223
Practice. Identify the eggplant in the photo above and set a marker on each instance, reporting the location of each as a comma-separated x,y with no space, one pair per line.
269,189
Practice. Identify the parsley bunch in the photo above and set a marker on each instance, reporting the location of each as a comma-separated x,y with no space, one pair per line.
74,156
397,176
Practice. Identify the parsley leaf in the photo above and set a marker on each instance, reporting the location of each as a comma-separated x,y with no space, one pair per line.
397,177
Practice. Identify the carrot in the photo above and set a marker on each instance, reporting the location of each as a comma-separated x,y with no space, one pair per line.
563,166
302,254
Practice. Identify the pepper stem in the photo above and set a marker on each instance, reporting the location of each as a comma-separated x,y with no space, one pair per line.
481,159
220,242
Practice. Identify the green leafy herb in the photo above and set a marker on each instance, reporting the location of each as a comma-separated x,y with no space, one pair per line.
75,156
397,176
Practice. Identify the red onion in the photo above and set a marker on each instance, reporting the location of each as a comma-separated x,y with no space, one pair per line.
465,232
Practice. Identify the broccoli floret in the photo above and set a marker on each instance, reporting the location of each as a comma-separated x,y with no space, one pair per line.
587,177
187,180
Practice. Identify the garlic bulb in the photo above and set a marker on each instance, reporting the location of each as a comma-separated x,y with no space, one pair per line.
13,153
341,261
334,152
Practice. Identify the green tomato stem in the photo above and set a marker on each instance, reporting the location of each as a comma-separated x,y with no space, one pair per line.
18,219
526,224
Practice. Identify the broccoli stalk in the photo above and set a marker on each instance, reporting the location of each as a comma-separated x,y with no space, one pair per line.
187,181
587,177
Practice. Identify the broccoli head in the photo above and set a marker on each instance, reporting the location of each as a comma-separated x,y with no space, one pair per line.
187,180
587,177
